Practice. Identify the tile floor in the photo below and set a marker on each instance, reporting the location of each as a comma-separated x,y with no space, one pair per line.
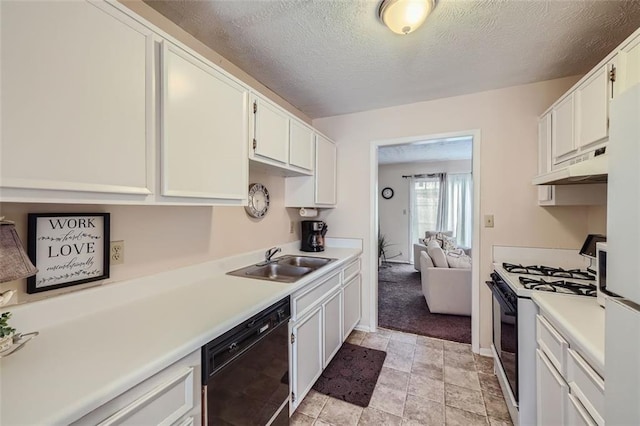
424,381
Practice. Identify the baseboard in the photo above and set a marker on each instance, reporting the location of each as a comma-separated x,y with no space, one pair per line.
406,262
486,352
364,328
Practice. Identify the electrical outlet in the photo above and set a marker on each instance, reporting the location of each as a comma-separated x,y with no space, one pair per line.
292,227
117,252
488,221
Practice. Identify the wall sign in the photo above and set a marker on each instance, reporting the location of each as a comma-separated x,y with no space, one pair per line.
68,249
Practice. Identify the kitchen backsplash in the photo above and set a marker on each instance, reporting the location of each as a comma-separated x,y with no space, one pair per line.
160,238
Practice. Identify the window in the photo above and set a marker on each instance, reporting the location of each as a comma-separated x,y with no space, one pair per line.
426,193
442,202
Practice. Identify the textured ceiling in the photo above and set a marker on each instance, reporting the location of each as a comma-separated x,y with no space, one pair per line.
330,57
427,151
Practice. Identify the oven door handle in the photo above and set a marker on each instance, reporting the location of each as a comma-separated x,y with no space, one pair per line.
507,306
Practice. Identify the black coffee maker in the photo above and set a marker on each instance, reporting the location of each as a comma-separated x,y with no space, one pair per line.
313,232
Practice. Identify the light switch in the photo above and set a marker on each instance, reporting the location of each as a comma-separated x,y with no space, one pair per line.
488,221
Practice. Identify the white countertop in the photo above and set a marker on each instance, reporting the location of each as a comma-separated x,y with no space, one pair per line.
95,344
580,320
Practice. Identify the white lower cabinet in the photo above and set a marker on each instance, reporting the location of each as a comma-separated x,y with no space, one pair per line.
306,354
170,397
577,414
552,392
322,316
352,305
332,315
569,391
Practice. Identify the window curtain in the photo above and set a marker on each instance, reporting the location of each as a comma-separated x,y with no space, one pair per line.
425,192
443,204
457,215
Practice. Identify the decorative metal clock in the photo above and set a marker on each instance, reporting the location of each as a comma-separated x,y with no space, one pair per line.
387,193
258,201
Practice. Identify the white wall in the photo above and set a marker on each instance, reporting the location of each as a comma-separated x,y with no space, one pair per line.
507,119
394,214
160,238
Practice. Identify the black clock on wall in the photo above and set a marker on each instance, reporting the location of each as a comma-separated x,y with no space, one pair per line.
387,193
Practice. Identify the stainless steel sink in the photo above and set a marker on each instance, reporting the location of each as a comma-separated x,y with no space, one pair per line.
286,269
305,261
273,272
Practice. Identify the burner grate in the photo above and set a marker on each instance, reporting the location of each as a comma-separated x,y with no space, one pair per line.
548,271
558,286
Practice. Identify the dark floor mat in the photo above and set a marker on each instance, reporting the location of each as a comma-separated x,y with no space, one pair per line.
401,306
352,374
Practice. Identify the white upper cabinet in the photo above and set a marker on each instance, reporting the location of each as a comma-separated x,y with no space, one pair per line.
270,136
204,130
77,101
301,145
563,135
319,190
545,192
628,67
326,153
592,108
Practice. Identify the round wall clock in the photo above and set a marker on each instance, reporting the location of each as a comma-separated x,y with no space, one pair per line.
387,193
258,200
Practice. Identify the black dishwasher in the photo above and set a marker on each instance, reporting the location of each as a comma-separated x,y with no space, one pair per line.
245,378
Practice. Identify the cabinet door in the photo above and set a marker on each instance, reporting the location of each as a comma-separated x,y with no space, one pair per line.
307,360
301,146
552,393
77,98
562,125
628,68
351,303
270,131
325,171
592,108
332,314
577,415
545,192
205,129
544,144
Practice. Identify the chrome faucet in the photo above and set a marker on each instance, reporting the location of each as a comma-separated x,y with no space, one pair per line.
270,253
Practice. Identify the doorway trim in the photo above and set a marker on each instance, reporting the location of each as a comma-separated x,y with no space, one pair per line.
475,245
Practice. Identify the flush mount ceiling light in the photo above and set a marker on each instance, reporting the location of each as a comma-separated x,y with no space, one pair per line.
404,16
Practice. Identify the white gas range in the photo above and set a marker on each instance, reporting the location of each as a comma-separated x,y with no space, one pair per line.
518,272
525,279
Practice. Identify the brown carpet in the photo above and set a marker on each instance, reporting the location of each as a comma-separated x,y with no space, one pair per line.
401,306
352,374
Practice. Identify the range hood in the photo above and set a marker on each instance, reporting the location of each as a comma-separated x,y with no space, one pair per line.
593,170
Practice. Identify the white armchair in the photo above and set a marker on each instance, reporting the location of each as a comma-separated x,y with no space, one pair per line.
446,290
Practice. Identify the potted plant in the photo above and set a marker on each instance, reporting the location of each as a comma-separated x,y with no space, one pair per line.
6,332
383,245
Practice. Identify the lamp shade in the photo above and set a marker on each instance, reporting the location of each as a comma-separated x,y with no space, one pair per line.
404,16
14,262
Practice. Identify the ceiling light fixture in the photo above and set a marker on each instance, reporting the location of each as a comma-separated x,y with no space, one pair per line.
404,16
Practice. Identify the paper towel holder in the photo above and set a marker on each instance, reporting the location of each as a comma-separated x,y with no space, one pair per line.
303,212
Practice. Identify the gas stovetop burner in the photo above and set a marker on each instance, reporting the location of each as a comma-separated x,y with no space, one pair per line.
560,286
548,271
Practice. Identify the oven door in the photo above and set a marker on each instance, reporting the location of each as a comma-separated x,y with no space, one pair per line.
505,330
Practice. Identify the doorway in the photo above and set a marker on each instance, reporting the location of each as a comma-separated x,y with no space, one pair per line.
411,226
